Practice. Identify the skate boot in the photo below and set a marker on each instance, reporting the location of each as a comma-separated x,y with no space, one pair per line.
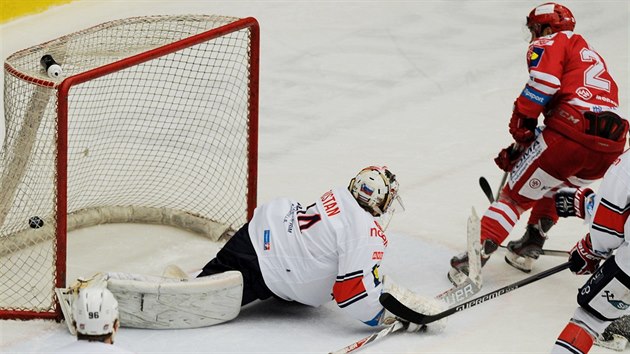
522,253
459,264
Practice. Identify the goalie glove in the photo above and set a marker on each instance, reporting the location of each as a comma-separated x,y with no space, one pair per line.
415,302
575,202
582,257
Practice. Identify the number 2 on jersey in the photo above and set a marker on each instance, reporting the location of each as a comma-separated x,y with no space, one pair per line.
592,75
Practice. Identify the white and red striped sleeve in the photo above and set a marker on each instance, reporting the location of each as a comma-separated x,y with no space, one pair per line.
610,226
358,284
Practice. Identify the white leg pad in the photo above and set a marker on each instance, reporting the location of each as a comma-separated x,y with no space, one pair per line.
169,303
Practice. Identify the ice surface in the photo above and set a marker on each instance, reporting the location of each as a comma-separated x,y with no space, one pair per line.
425,87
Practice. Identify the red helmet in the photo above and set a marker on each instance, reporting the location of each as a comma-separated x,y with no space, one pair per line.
555,16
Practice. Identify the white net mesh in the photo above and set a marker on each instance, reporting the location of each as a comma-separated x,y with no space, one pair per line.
159,133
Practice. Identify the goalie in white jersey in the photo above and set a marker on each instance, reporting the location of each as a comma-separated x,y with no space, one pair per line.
311,254
606,295
327,250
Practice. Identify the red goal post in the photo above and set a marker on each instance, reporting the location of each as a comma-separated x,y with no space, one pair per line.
154,120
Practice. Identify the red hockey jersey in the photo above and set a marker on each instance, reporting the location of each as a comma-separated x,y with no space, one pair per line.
567,78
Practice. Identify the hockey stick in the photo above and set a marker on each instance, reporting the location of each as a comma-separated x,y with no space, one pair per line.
395,327
397,308
487,190
503,180
546,252
470,286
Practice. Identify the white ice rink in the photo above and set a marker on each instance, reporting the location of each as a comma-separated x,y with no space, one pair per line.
425,87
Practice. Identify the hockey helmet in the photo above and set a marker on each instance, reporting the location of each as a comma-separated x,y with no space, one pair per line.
374,188
95,311
557,17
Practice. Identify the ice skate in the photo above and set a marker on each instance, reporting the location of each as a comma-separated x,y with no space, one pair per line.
459,264
523,252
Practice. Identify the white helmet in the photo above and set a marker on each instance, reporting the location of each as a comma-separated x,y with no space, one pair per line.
374,188
95,311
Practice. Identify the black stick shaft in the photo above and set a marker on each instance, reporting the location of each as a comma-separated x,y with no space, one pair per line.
398,309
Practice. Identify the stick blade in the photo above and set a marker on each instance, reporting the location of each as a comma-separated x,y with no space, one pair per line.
400,310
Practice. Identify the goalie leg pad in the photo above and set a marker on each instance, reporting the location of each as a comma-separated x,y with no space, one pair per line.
172,303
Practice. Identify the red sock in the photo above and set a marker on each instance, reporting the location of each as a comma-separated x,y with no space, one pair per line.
498,221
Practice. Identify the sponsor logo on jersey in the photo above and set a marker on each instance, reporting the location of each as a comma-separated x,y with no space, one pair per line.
618,304
378,232
266,240
606,99
330,204
584,93
568,116
377,255
375,274
534,183
535,56
535,96
543,41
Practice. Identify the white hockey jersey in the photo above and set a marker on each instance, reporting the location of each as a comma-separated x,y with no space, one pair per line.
331,249
610,226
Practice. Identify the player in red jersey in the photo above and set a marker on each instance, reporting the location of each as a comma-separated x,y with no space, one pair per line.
570,85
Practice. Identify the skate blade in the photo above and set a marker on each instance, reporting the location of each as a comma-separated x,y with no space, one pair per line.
524,264
456,277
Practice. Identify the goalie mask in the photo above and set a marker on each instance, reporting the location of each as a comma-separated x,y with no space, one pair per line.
95,311
375,188
555,16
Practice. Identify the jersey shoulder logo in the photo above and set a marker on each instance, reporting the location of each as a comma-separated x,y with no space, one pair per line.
535,56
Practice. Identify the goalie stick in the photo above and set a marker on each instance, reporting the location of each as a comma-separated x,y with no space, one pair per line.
397,308
470,286
394,327
473,282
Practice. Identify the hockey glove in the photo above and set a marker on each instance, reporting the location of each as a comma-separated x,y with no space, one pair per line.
574,202
415,302
508,157
522,128
582,257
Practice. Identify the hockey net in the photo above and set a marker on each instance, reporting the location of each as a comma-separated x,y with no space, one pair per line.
154,120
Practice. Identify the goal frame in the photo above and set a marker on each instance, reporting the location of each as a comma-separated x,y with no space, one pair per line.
63,89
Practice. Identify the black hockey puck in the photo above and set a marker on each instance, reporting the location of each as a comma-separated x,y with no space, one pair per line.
35,222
